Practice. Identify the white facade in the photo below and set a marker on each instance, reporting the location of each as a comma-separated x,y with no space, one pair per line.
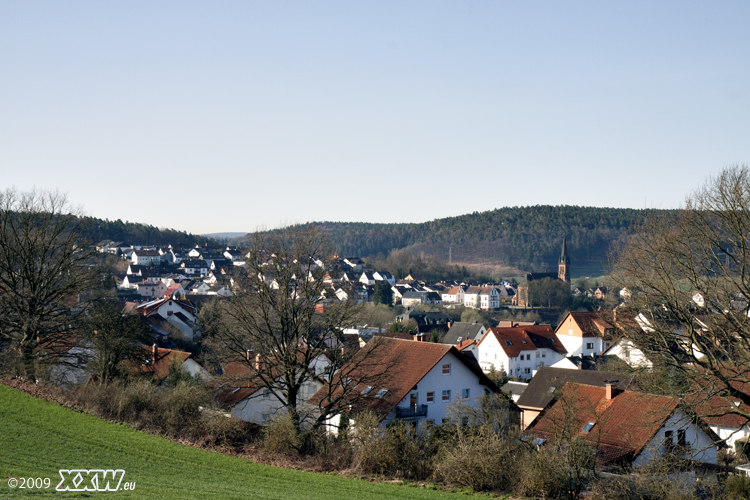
698,445
145,258
629,353
490,354
576,345
438,389
261,406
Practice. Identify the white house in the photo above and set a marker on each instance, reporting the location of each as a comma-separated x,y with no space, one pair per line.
145,257
627,427
455,295
629,353
179,313
520,351
384,276
408,380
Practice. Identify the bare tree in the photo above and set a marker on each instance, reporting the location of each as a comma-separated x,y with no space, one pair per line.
279,312
686,279
113,337
43,269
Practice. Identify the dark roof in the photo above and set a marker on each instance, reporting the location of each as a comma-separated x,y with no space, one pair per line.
514,388
537,394
462,330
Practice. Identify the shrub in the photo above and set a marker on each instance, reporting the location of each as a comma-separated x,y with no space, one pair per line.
279,436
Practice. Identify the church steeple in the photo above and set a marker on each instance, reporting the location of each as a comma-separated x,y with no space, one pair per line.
563,267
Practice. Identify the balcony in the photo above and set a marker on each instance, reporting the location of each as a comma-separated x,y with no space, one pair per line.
411,411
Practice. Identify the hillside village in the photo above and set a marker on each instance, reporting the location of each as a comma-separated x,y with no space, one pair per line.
583,370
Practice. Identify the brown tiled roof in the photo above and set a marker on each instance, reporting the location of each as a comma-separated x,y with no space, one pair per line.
537,395
396,365
159,367
624,424
526,338
590,323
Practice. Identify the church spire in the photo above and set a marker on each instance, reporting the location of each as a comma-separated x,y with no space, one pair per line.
564,254
563,267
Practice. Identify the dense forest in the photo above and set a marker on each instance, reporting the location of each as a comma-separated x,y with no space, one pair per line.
527,238
139,234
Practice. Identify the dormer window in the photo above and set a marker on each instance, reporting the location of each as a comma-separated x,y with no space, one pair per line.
587,427
381,393
509,342
367,389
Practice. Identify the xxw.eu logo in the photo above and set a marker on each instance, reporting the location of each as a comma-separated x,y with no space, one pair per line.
92,480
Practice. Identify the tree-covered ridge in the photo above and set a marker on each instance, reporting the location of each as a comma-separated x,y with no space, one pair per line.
136,233
523,237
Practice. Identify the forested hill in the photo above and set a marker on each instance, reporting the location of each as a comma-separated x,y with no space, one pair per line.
528,238
139,234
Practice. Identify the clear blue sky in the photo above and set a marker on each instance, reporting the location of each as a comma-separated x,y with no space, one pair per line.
227,116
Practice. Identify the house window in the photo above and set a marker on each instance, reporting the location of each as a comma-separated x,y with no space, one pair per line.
528,357
430,397
446,396
544,354
587,427
413,400
589,345
527,370
509,342
447,369
381,393
465,393
367,389
681,440
537,355
668,441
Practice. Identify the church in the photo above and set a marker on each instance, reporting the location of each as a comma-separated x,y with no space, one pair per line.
563,274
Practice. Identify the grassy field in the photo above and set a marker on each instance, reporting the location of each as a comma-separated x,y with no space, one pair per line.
37,438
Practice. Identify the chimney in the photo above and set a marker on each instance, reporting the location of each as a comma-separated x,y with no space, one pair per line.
258,362
450,323
249,354
154,352
611,390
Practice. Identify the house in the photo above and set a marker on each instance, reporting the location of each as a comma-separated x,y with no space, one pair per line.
585,333
354,263
482,297
625,350
151,289
514,389
628,429
160,361
520,351
384,276
541,391
367,278
413,297
195,267
178,313
455,295
426,321
145,257
412,381
246,398
600,292
460,331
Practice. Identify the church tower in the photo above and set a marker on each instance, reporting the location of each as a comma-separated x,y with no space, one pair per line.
563,267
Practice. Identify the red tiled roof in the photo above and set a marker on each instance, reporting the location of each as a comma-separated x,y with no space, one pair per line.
526,338
159,367
624,424
465,343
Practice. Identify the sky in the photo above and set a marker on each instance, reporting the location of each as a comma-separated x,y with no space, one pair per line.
238,115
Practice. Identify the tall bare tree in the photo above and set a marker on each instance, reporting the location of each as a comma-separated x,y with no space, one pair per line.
280,312
686,276
43,269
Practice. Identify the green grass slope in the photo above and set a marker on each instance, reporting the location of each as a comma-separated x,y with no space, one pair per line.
37,438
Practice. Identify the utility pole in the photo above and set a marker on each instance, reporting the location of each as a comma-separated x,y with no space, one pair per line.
450,255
